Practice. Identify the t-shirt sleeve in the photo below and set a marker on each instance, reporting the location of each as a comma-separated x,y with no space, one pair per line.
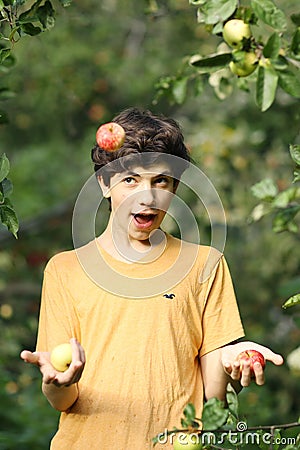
221,322
58,321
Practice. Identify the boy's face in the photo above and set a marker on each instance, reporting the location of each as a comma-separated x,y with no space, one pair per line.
140,198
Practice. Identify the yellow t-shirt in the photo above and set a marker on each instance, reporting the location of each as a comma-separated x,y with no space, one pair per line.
142,352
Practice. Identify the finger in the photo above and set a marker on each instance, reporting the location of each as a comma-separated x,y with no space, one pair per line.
71,375
258,373
245,374
236,371
82,354
49,376
30,357
77,351
275,358
227,367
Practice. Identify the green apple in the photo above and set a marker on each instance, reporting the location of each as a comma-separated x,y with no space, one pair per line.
61,357
186,441
243,64
234,31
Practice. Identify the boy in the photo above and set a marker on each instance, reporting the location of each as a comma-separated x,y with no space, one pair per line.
138,355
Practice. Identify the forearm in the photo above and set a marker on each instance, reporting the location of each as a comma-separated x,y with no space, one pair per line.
217,386
60,398
215,379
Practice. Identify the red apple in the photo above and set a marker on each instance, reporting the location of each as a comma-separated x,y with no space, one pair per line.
110,136
253,356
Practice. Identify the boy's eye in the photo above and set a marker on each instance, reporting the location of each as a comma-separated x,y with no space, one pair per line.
163,181
129,180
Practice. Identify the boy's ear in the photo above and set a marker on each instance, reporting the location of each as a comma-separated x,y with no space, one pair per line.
105,189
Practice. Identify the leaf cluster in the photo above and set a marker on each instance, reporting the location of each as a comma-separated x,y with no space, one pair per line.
7,214
277,51
220,423
283,205
17,18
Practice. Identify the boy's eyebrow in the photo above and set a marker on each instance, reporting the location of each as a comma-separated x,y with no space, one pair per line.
159,174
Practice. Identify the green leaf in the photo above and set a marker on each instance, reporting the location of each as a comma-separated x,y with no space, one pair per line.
197,2
6,187
3,118
4,167
215,11
7,60
289,82
212,62
265,190
259,211
29,28
272,47
292,301
46,15
9,218
179,90
295,153
4,53
266,11
190,412
280,63
214,414
296,176
65,3
296,19
284,198
266,86
261,441
295,45
198,86
284,220
232,401
6,93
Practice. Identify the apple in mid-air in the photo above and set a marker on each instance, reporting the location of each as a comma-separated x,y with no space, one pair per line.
253,356
243,63
234,31
110,136
61,357
186,441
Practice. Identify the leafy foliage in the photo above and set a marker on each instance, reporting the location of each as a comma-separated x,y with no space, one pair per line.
284,205
277,53
7,214
220,424
17,21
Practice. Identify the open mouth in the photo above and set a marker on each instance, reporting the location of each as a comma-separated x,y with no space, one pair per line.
144,220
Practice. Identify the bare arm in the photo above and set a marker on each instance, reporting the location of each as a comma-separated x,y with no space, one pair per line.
60,388
220,367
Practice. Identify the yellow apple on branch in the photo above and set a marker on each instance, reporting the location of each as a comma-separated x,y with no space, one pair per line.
235,31
243,63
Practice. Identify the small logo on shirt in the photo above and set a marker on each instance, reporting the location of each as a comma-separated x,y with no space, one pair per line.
170,296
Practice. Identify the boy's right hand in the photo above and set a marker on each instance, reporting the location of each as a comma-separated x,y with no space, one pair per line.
50,375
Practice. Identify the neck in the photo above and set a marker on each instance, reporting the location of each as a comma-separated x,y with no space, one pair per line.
122,248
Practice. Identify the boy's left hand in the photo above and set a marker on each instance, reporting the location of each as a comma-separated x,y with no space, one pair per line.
242,372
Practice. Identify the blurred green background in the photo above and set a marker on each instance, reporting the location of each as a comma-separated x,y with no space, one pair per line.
98,59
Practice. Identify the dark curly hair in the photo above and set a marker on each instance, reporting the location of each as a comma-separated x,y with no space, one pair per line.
146,133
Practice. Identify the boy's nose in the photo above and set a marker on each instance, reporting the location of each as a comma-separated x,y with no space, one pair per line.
146,197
